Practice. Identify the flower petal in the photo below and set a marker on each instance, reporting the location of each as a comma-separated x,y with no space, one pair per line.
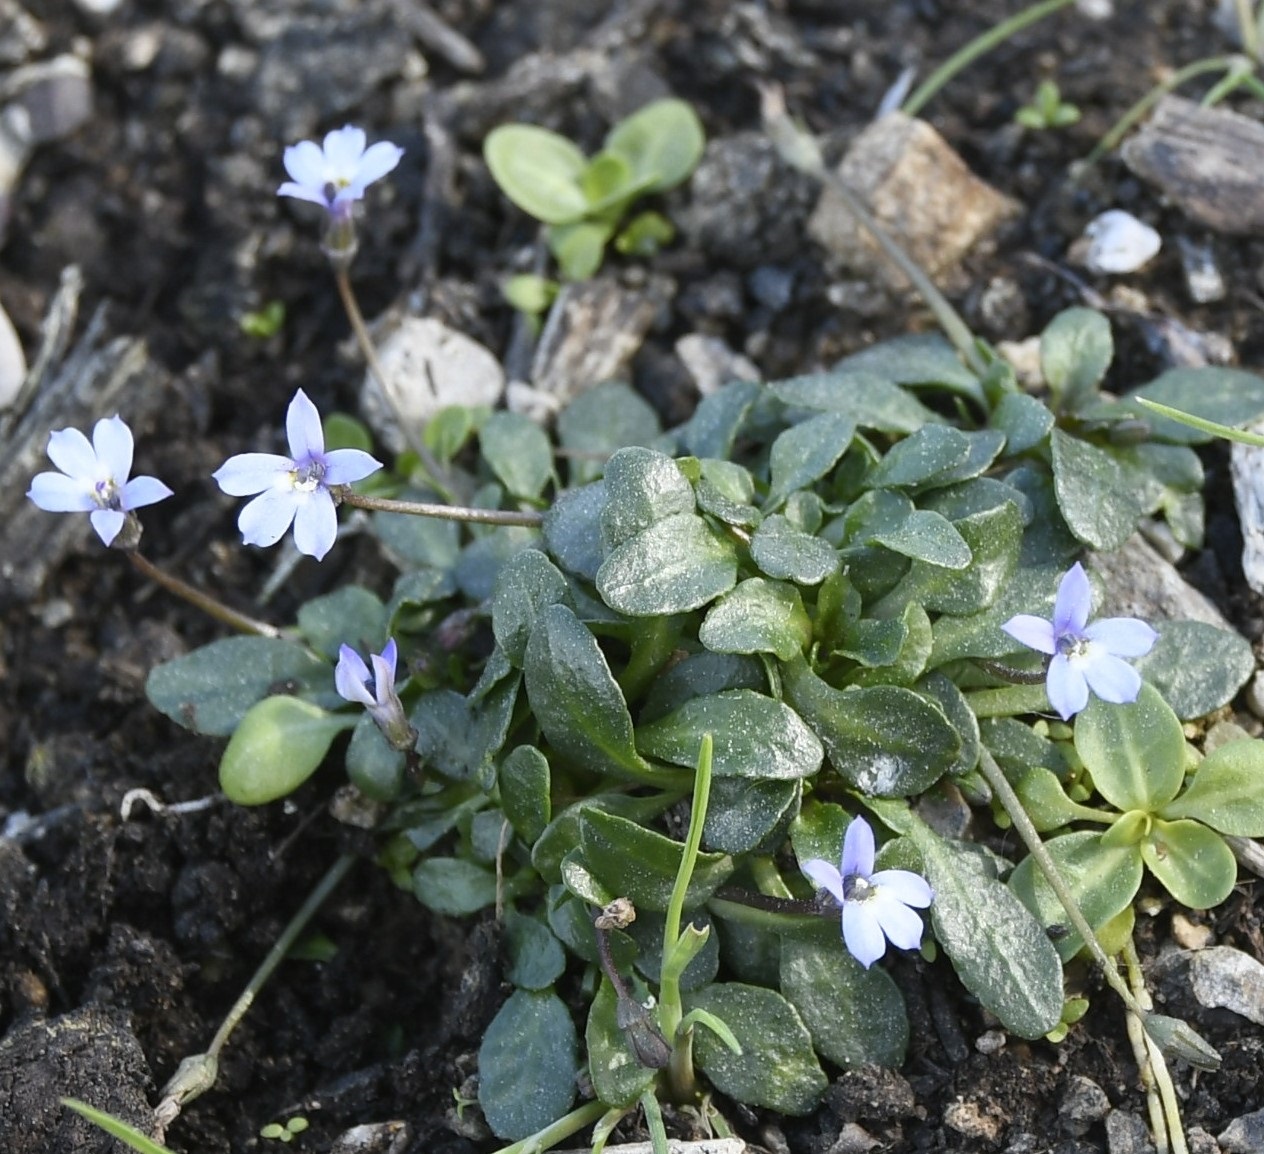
1122,636
1110,678
343,149
248,473
305,162
73,454
315,524
900,924
1034,632
390,655
375,164
825,876
142,491
57,493
342,466
107,523
302,428
1074,601
858,849
905,886
265,520
351,676
1066,687
304,192
112,440
862,933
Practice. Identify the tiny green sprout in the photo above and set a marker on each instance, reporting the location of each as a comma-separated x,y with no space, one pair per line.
1047,109
531,295
286,1133
645,234
1072,1011
462,1103
265,322
583,200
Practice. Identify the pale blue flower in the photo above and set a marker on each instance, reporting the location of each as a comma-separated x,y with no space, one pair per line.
375,690
336,174
1084,656
295,489
93,478
876,906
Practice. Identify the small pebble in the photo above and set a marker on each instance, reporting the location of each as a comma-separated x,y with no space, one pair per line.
1189,935
12,361
1119,243
970,1120
1203,280
1244,1135
1083,1103
991,1042
1224,978
1127,1134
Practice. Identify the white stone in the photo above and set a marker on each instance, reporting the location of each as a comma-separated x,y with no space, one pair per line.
1224,978
12,362
1119,243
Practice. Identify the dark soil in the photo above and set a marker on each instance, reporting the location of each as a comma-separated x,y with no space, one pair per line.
123,943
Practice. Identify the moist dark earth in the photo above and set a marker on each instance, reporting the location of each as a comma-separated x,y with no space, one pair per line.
123,942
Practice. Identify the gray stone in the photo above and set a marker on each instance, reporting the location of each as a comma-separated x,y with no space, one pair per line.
1244,1135
712,364
1140,583
55,97
773,286
373,1138
1224,978
1127,1134
1203,279
24,36
1082,1104
12,361
890,166
1245,467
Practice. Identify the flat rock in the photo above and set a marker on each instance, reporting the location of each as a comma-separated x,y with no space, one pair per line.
712,364
890,166
1244,1135
1127,1134
1141,583
1246,467
430,366
1209,161
1224,978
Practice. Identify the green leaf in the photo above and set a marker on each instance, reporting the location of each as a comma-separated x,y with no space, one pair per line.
698,675
699,947
343,431
1076,349
529,293
715,423
601,420
524,791
571,920
536,957
748,814
1094,494
618,1078
917,359
755,736
926,536
572,529
348,616
116,1127
210,689
575,699
278,745
1193,863
642,488
645,234
887,741
374,766
453,886
1000,952
1225,396
518,452
920,457
870,400
1197,667
805,452
1226,791
459,737
639,864
538,170
675,565
527,1065
855,1015
451,428
661,143
777,1069
1103,879
758,616
412,540
1024,420
1042,796
1135,753
526,584
788,554
579,247
606,181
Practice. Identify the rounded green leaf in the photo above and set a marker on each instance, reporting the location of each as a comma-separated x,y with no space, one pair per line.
518,452
524,792
920,457
600,421
1096,497
855,1016
618,1078
1135,753
1226,791
661,143
278,745
926,536
786,553
806,452
1226,396
642,486
453,886
572,529
758,616
348,616
1076,349
1193,862
527,1065
748,814
754,736
579,247
374,766
1197,667
538,170
526,584
675,565
536,957
777,1068
868,398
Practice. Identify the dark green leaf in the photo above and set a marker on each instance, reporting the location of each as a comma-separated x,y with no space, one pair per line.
926,536
868,399
618,1078
453,886
1197,667
698,675
599,421
414,593
527,583
413,541
1075,351
1024,420
715,423
748,814
349,616
572,529
518,452
788,554
643,487
460,738
919,458
1094,494
647,931
374,766
677,564
524,792
917,359
479,565
1226,396
806,452
758,616
536,957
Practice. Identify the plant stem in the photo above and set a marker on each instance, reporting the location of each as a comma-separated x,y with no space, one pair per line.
979,46
203,601
443,512
414,437
1165,1121
555,1132
1248,28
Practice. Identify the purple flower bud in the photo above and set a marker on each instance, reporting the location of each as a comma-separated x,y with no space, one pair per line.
375,690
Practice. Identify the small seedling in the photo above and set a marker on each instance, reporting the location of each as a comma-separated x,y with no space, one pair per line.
265,322
1047,109
286,1133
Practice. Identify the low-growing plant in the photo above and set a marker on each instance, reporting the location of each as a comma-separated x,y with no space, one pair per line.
1047,109
582,201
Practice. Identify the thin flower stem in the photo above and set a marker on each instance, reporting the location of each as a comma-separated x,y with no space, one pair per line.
529,520
1165,1113
960,60
558,1131
413,436
1248,28
204,601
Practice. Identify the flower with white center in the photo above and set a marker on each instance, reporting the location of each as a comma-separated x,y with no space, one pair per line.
336,173
93,478
876,906
1119,243
1084,656
294,490
375,690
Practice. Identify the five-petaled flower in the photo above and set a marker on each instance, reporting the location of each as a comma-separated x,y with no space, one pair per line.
876,906
93,478
1084,656
336,173
294,489
375,690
